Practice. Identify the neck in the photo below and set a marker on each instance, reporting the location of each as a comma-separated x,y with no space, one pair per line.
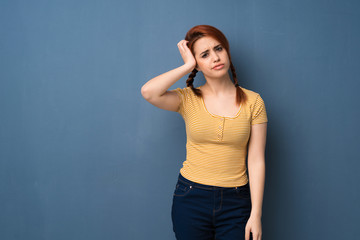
219,86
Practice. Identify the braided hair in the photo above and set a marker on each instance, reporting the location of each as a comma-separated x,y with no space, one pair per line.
190,80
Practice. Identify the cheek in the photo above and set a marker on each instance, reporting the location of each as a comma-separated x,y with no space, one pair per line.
201,64
226,56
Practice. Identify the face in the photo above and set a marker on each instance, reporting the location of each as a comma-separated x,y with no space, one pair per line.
209,53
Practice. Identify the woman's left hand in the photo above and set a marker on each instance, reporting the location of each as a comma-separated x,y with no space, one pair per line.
253,225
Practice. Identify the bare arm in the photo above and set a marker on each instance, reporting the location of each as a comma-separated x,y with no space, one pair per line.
156,91
256,167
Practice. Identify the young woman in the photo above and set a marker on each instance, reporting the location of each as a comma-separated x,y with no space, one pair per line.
214,198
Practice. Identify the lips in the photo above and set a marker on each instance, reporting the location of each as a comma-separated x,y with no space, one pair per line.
219,66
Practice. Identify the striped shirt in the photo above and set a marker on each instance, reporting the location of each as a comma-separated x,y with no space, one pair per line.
216,146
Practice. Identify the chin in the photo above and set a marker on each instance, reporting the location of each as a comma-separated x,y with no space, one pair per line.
219,75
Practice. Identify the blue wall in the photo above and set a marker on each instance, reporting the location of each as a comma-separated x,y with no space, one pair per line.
84,156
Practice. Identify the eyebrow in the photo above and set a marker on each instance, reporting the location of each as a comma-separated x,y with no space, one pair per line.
208,49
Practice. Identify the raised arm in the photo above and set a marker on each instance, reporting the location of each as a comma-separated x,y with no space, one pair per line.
155,91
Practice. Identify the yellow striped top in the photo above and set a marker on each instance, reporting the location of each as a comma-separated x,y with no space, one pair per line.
216,146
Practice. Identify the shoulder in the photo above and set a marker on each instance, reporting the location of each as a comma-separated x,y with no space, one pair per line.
252,95
186,91
254,101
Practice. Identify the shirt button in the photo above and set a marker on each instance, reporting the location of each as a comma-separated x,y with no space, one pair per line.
219,127
219,135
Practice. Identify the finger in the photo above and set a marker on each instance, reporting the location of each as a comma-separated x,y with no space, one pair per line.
181,48
247,234
182,42
184,45
187,49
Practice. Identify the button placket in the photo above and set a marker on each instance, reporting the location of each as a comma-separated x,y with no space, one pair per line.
220,129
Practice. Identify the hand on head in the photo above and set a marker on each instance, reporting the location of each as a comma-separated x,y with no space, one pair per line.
186,53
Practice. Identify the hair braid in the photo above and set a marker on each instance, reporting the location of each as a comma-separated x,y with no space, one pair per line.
234,74
240,95
190,80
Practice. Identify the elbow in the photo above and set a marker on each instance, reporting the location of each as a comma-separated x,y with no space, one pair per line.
145,92
256,159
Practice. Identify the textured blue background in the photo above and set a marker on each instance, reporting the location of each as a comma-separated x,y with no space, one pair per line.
84,156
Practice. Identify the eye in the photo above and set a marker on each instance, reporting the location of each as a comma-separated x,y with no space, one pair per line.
219,48
204,55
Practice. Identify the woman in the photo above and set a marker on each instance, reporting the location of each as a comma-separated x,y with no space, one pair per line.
214,198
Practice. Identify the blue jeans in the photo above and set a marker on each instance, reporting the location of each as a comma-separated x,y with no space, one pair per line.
205,212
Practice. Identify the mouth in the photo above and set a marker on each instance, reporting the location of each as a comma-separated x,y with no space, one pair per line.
219,66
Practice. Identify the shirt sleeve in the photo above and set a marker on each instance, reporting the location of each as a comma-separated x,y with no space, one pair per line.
182,94
258,114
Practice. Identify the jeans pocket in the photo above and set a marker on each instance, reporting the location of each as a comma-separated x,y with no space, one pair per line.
182,189
243,191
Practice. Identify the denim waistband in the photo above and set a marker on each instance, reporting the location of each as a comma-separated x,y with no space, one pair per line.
204,186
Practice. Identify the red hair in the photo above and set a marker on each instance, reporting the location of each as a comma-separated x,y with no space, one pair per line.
199,31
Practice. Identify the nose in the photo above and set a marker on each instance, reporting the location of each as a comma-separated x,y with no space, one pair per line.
216,57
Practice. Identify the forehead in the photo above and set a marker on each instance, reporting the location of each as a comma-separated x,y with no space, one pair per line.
205,43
